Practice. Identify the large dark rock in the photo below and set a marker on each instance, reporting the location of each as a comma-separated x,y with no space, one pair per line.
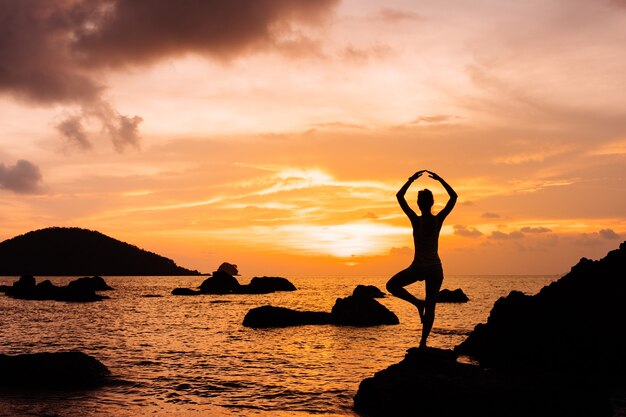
222,281
361,311
185,291
80,290
60,370
270,316
95,283
266,285
368,291
350,311
452,296
431,383
576,322
219,282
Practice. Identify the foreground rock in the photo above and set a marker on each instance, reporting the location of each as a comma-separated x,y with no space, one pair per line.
561,352
223,281
350,311
452,296
60,370
430,383
576,322
80,290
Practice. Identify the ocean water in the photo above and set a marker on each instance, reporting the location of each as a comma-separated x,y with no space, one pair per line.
191,356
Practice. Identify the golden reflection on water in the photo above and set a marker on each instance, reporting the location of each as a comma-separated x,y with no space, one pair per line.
191,355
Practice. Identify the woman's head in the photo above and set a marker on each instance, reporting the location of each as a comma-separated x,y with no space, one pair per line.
425,200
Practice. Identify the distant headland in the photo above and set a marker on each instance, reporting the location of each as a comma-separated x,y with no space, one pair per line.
73,251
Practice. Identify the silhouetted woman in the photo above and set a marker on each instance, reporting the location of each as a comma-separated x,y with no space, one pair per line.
426,265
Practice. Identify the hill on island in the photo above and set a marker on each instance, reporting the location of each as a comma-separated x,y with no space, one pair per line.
71,251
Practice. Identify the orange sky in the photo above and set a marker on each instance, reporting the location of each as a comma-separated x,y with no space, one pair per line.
276,136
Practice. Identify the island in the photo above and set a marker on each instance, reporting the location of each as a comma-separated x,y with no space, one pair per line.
72,251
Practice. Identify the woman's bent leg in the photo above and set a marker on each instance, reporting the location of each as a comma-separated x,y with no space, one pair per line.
433,285
396,287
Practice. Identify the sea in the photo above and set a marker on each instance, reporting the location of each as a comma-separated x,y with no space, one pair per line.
191,356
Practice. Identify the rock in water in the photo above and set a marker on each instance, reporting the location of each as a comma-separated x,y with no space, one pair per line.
266,285
76,291
368,291
270,316
452,296
95,283
361,311
59,370
185,291
219,283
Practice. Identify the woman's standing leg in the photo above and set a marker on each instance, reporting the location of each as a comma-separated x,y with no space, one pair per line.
433,285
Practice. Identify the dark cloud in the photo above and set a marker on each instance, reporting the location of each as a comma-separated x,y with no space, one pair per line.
24,177
535,230
139,31
490,215
57,52
466,231
73,130
608,234
506,236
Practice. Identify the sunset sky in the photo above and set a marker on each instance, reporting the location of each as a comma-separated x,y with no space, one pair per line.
274,134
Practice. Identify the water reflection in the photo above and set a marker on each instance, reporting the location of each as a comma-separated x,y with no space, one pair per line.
191,355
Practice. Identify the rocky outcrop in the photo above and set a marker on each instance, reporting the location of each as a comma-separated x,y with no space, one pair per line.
59,370
576,322
452,296
81,290
431,383
185,291
223,281
350,311
560,352
361,311
270,316
266,285
368,291
219,283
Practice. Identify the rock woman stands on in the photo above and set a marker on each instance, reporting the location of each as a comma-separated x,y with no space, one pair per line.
426,265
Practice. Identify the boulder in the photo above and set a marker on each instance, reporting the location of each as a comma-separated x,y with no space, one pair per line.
59,370
368,291
431,383
573,323
361,311
452,296
219,282
266,285
27,289
95,283
350,311
185,291
270,316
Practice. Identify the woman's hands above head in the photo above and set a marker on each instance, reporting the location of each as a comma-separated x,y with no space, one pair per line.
417,175
433,175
